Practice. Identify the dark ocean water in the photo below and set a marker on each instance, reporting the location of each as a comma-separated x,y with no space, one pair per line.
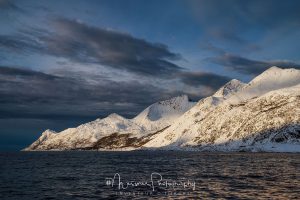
88,175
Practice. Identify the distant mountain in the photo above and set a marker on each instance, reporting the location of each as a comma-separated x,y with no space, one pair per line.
263,115
153,119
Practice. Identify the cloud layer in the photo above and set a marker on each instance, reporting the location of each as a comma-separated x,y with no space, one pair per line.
211,80
79,42
29,94
248,66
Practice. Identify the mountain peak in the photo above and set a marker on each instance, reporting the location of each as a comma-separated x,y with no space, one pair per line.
274,68
161,114
269,72
276,74
175,100
48,132
231,87
273,78
114,116
46,135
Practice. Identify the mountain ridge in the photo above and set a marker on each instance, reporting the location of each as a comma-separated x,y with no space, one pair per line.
84,136
262,115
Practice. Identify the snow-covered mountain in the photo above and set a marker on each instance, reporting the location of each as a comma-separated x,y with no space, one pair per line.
153,119
272,79
229,88
163,113
263,115
183,129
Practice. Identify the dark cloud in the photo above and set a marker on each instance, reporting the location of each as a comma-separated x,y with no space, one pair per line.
86,44
248,66
7,4
211,80
30,94
13,72
19,44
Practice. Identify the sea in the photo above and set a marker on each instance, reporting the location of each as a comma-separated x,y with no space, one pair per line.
148,175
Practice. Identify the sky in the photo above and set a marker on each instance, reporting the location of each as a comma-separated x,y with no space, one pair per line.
67,62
